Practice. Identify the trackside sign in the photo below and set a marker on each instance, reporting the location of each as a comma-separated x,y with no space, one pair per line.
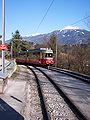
3,46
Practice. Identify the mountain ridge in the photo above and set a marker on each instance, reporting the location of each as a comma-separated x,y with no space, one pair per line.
73,35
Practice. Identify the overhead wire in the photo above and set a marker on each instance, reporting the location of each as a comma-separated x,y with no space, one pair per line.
47,13
44,15
80,20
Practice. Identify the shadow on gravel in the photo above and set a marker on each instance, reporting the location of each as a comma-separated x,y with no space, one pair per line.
8,113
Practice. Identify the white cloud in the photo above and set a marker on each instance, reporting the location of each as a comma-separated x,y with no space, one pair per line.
36,34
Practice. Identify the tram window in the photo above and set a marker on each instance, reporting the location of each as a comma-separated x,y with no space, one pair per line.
43,55
34,55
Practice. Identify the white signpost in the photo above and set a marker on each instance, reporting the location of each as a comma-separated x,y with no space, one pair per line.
3,36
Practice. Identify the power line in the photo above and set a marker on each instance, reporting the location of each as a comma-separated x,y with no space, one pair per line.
80,20
44,15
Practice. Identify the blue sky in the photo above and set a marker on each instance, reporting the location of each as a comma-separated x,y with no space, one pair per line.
25,15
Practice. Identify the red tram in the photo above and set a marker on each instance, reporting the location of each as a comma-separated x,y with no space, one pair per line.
40,56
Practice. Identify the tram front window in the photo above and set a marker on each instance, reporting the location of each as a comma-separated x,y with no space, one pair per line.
49,55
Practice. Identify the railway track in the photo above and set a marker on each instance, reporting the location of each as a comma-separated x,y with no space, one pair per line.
55,96
83,77
43,105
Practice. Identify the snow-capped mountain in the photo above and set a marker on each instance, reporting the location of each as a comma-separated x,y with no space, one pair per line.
70,27
68,35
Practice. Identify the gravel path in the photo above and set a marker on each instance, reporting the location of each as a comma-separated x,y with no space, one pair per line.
22,95
33,108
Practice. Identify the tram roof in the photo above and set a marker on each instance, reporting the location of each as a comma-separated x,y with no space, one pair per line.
42,50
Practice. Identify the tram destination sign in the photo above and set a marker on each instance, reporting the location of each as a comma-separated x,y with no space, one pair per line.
3,46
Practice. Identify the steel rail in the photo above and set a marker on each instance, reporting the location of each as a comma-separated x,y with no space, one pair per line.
43,105
84,78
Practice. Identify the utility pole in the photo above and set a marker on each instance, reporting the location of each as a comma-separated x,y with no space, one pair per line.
3,35
12,47
56,55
